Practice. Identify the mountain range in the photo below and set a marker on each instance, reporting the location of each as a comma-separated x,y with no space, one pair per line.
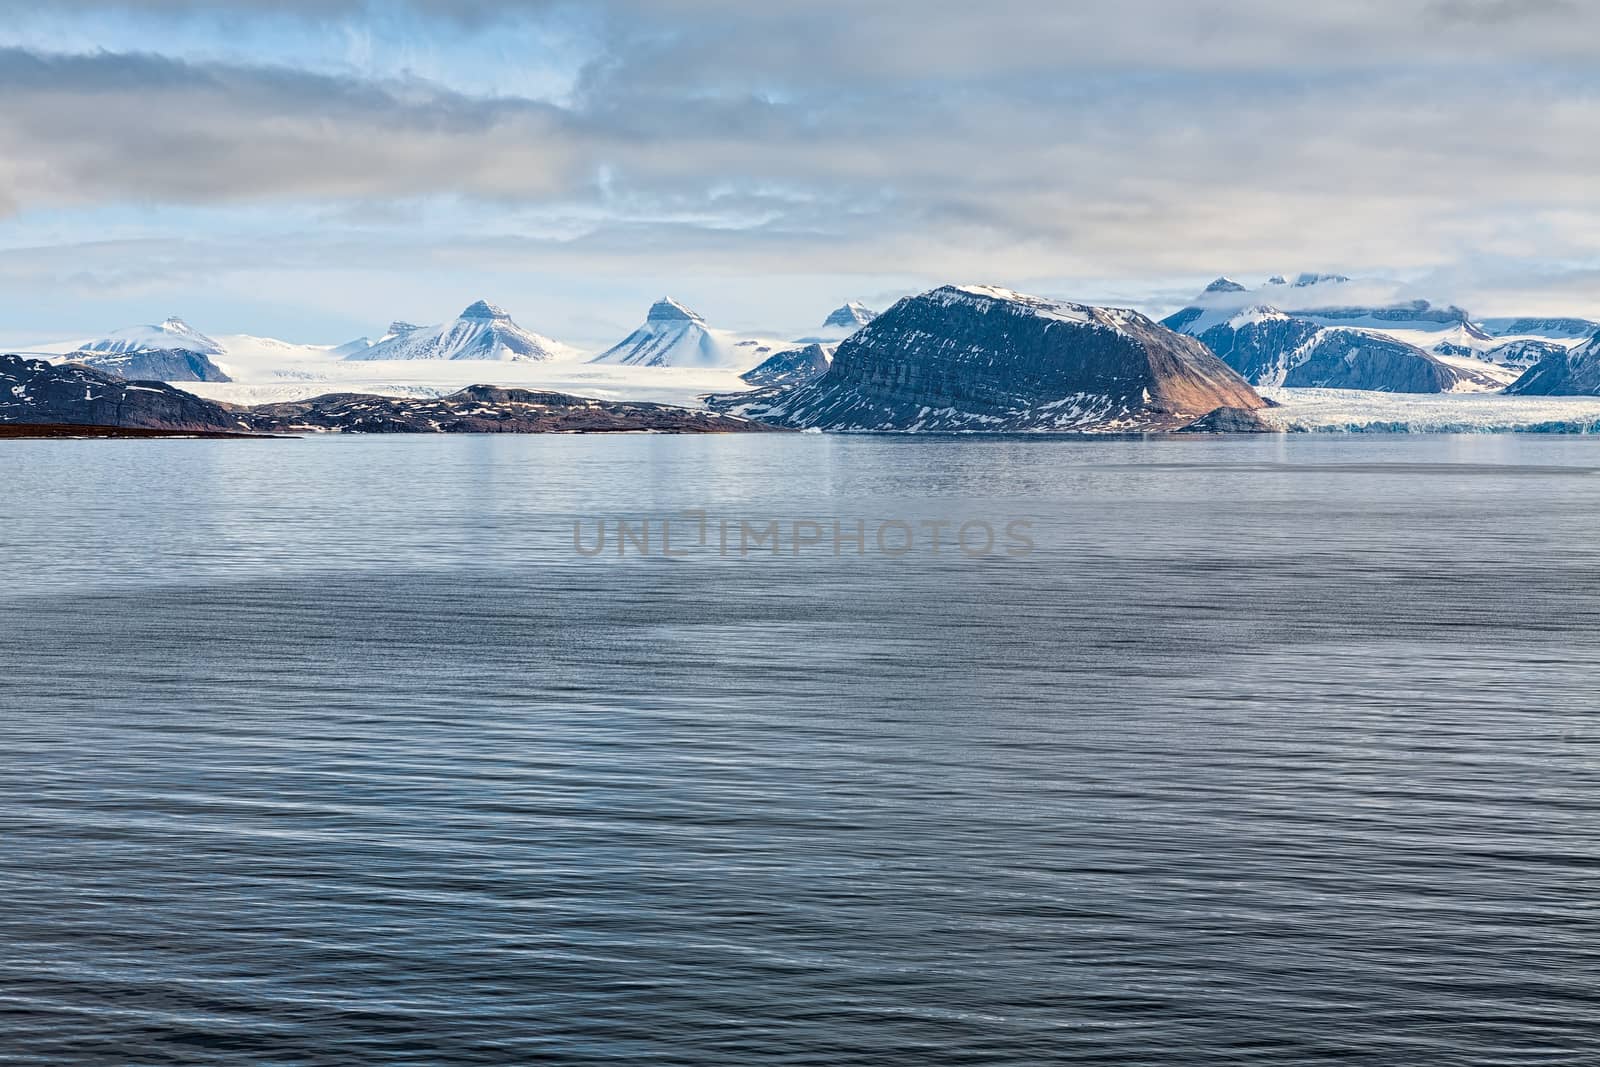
1318,332
935,361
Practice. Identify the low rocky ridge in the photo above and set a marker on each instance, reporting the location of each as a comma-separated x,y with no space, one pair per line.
1231,420
980,358
36,392
1565,373
486,409
48,430
154,365
793,367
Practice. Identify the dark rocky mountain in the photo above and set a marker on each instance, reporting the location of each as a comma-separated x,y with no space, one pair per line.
1357,359
792,367
1564,373
1231,420
1341,347
1270,348
486,409
34,392
1181,321
983,358
1260,343
154,365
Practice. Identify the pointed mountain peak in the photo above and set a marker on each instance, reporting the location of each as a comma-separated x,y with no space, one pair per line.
1277,279
1225,285
484,310
669,310
173,322
850,315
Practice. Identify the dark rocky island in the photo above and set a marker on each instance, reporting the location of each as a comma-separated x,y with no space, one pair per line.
985,359
38,394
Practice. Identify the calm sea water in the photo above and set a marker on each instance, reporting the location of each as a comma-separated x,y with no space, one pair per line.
335,751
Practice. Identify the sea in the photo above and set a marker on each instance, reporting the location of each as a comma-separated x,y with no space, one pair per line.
800,749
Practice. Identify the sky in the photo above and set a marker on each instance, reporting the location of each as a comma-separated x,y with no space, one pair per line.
312,169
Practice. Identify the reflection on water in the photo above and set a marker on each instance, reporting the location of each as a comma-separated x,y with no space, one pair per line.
335,751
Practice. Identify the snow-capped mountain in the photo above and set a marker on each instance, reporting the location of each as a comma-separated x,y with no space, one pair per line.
1324,331
481,332
850,316
985,358
1271,348
350,348
791,367
173,334
153,365
673,336
841,323
1525,351
1574,372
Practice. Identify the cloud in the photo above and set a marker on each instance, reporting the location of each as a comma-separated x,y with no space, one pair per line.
85,129
1011,141
1499,13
